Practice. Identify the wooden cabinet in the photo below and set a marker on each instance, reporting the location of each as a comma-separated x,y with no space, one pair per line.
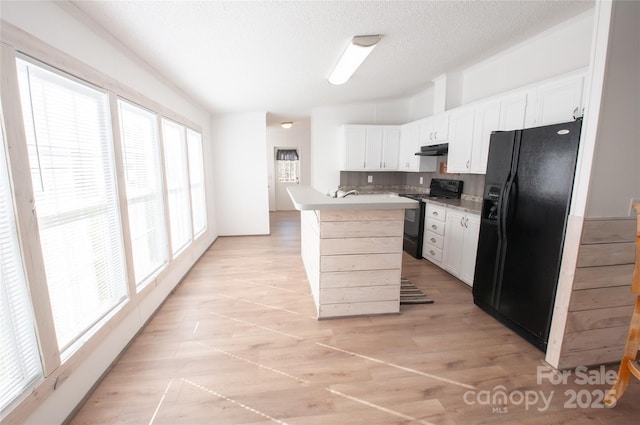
461,133
409,145
461,244
434,232
370,147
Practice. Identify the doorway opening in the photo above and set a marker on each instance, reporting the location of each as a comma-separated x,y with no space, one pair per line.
287,173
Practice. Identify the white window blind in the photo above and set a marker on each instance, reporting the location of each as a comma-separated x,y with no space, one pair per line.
67,126
196,176
141,153
19,358
177,171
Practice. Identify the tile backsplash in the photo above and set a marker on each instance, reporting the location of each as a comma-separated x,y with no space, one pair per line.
397,181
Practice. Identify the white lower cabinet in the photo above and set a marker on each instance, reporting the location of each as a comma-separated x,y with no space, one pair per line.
461,244
434,232
451,240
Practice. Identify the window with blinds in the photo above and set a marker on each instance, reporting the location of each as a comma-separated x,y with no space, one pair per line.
68,132
141,158
19,357
177,172
287,163
196,177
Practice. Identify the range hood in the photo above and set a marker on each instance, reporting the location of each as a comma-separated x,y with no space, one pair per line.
434,150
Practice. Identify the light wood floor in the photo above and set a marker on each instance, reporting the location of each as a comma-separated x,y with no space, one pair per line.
237,343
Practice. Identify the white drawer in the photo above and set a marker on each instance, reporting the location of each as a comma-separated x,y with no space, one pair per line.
432,253
434,239
436,211
435,226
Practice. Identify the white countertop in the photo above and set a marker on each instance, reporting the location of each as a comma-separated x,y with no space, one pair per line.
473,207
308,198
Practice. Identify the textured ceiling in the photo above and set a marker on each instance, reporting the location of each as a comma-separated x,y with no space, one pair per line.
275,56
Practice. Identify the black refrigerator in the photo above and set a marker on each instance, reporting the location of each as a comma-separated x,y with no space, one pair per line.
525,206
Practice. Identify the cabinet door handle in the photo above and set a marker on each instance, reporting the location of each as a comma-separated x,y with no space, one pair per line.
435,213
468,163
433,226
433,240
461,221
466,223
432,252
435,134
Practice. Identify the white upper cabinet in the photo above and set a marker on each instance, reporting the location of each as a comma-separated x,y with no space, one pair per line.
434,130
373,150
409,145
559,100
467,129
370,147
513,110
354,139
391,148
487,119
551,102
461,134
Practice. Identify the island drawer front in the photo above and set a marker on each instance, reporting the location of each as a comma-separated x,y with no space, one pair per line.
336,263
432,253
436,211
434,239
435,226
361,245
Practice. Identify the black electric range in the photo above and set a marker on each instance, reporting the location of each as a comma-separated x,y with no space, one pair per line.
414,217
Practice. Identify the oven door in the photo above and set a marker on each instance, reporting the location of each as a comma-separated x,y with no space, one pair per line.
412,222
413,228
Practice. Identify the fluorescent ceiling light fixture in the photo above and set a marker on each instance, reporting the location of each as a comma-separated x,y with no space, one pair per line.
286,124
356,52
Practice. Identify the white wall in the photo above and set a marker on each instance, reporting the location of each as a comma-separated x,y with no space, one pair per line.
421,104
615,173
298,136
560,49
53,25
240,173
325,121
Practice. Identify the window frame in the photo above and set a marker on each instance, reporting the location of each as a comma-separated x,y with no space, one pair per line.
121,160
83,212
15,43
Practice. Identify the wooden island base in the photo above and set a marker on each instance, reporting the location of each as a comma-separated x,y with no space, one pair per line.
353,260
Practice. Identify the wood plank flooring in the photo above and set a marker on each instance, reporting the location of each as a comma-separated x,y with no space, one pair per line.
237,343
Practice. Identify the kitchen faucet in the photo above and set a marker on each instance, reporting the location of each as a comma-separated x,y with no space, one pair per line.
351,192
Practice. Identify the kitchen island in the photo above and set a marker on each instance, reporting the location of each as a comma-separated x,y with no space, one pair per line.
352,250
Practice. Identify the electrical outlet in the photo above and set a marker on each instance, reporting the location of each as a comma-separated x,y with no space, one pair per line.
369,179
421,180
632,212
